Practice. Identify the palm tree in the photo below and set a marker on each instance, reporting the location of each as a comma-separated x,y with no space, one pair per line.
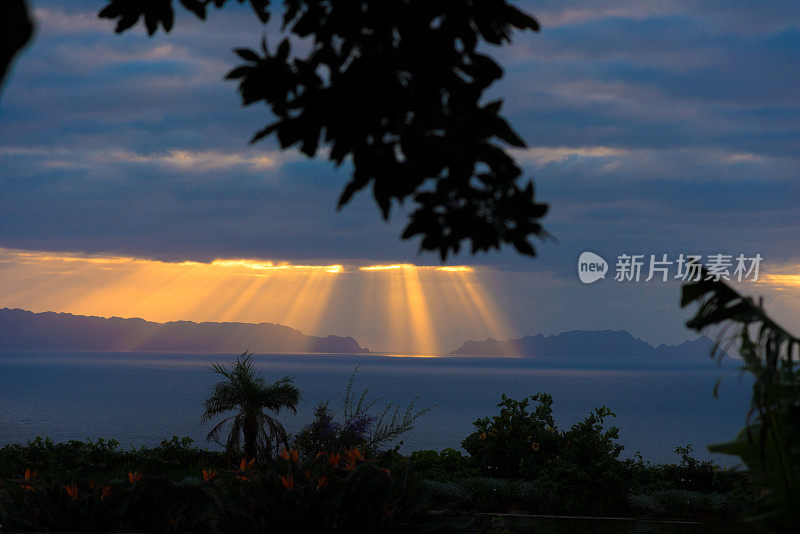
246,392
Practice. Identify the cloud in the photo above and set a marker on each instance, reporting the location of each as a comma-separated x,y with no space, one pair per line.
180,160
654,127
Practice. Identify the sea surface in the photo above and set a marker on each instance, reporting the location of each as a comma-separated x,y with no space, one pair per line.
140,398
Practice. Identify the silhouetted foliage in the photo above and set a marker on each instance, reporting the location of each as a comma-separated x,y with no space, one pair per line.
770,444
248,394
395,87
357,426
16,30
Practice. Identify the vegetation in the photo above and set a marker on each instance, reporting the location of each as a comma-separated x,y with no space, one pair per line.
770,443
246,392
104,460
341,492
178,487
359,426
526,462
337,477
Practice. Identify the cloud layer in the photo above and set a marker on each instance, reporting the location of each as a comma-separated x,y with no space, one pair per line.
654,127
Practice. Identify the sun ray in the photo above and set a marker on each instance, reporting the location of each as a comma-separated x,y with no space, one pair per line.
403,308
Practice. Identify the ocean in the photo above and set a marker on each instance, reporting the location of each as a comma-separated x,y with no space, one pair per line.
140,398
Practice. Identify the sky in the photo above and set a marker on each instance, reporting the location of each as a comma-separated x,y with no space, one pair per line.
653,128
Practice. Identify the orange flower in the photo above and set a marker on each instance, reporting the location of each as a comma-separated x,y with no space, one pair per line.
26,487
320,454
209,474
287,481
385,471
291,455
108,490
30,475
349,465
322,482
72,490
355,454
134,477
334,458
243,478
535,446
244,465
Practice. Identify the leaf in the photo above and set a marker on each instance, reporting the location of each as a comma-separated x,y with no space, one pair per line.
195,6
520,19
247,54
264,132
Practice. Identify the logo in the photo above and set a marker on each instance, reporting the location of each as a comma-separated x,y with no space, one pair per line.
591,267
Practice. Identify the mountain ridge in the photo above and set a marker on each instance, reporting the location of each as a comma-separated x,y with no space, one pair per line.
611,343
23,329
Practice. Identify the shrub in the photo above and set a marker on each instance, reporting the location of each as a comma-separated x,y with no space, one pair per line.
104,459
516,443
359,426
332,492
137,504
443,465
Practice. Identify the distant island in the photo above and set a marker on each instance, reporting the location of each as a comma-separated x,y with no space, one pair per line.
611,343
21,329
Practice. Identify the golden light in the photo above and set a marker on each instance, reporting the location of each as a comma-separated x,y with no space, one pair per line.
780,280
395,266
271,266
421,298
402,308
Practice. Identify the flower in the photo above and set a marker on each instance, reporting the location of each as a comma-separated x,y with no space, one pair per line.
354,454
209,474
291,455
107,490
535,446
287,481
134,477
29,475
322,482
26,487
72,490
334,458
243,478
385,471
244,465
320,454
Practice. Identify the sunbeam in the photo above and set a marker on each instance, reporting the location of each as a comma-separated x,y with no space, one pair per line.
399,308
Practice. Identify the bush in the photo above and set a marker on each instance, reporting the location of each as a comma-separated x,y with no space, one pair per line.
359,426
137,504
527,444
104,459
517,443
332,492
685,504
443,465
